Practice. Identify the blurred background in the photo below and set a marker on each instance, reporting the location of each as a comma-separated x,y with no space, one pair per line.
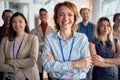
30,8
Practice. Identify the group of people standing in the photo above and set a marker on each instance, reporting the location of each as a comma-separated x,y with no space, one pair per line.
66,53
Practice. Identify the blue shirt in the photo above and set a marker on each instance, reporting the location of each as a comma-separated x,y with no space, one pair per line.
88,30
62,69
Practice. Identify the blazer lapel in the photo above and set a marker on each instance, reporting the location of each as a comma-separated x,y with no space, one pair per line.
9,52
40,34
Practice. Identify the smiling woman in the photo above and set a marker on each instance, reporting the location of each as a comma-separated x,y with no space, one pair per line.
19,51
70,60
105,51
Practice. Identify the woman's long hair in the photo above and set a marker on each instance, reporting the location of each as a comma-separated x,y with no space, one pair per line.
110,35
12,33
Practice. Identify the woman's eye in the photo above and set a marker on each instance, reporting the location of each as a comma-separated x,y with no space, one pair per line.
70,14
60,14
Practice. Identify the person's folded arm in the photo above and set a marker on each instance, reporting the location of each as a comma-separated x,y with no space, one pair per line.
116,59
57,66
3,66
98,60
31,59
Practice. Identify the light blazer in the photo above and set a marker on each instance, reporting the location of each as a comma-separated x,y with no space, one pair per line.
28,55
38,32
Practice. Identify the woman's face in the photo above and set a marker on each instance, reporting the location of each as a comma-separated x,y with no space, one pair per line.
117,21
65,18
104,28
18,24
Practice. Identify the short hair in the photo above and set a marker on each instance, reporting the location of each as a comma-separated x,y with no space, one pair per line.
12,33
115,16
6,10
72,7
42,9
84,9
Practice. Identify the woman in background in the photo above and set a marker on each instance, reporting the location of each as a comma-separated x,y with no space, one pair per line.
105,51
19,51
116,32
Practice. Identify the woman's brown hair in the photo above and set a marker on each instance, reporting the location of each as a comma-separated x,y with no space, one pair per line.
72,7
12,33
110,35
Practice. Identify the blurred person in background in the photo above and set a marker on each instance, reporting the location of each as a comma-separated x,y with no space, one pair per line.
105,52
6,15
116,32
88,28
19,51
41,31
85,26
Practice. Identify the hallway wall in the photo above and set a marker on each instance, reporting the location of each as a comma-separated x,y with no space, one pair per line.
30,8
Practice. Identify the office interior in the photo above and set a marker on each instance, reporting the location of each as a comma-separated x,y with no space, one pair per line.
30,8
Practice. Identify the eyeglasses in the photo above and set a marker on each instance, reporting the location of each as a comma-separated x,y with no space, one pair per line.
7,17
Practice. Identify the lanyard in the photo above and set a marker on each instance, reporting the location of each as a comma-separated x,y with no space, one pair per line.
70,49
17,50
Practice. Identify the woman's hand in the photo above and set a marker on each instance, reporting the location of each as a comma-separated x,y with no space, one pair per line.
98,58
50,57
82,63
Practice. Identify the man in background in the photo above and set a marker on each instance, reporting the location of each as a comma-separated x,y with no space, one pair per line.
85,26
41,31
88,28
6,15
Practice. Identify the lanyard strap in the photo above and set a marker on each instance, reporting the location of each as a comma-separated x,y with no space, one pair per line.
17,50
70,49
